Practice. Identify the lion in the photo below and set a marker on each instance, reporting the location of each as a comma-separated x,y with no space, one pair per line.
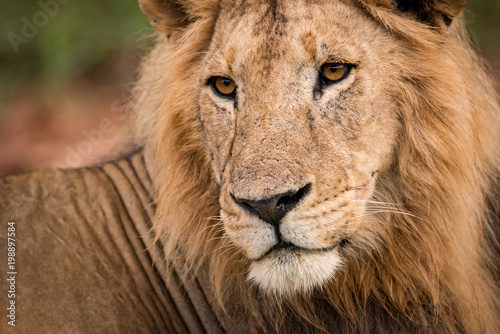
298,166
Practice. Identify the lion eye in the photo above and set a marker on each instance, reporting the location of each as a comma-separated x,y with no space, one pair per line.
334,72
223,86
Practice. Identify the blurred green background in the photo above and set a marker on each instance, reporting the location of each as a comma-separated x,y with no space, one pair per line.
65,66
79,38
483,17
80,57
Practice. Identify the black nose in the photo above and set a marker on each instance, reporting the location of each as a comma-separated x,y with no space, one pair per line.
272,210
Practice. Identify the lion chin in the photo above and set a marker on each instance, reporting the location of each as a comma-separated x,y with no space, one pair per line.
286,272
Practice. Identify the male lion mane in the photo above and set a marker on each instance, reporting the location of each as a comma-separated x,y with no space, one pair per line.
433,269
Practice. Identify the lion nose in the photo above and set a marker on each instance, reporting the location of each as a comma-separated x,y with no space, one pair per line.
272,210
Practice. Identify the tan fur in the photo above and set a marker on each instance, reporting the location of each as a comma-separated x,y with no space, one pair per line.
402,157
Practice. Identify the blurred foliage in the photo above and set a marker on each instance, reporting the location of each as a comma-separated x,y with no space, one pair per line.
86,33
76,38
483,18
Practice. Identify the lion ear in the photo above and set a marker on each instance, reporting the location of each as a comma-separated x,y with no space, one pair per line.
434,12
165,15
168,16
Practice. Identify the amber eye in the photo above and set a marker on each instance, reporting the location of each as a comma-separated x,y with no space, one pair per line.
223,86
334,72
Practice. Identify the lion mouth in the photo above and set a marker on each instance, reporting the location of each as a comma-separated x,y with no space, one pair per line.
287,247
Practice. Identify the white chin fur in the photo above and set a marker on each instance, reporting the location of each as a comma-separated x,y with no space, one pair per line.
288,272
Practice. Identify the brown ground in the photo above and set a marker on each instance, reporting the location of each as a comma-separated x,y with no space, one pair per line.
75,128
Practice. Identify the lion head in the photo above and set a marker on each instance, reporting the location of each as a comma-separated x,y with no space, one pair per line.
333,150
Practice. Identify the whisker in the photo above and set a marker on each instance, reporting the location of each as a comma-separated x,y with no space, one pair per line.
214,219
228,249
218,238
212,226
227,246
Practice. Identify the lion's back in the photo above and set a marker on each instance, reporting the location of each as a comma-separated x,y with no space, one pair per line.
77,262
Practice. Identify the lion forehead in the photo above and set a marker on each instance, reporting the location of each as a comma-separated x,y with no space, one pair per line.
262,36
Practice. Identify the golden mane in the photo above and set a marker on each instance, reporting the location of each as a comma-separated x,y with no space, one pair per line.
433,259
